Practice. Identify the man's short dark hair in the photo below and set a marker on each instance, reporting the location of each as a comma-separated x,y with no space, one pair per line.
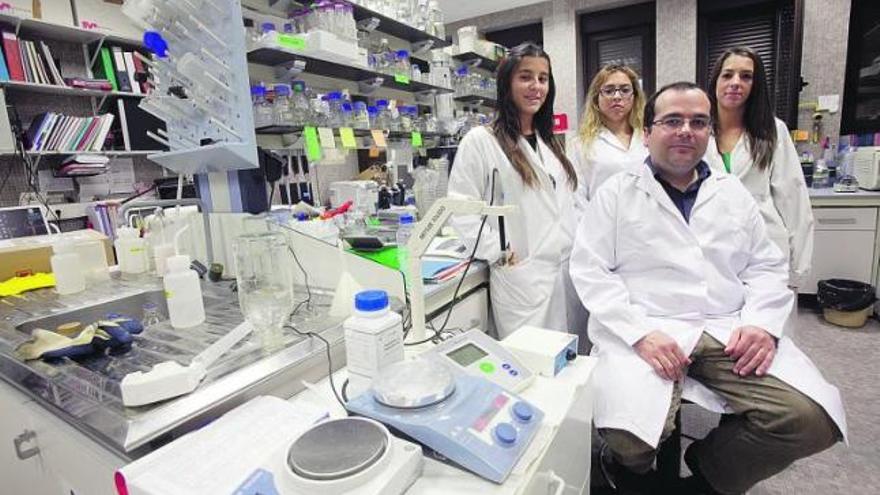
676,86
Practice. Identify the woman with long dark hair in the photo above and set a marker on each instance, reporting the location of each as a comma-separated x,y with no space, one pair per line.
517,161
755,146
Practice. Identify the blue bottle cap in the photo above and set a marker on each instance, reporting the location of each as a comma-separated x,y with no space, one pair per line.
302,217
267,26
282,90
372,110
359,105
402,53
336,95
381,103
258,90
156,44
406,219
371,300
346,107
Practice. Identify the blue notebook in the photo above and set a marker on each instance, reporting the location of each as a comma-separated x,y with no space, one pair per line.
4,72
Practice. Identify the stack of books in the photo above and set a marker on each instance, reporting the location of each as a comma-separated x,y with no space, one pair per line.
83,165
28,61
124,69
57,132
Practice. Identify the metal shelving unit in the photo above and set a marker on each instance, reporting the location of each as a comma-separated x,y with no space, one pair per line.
477,100
51,89
60,32
477,60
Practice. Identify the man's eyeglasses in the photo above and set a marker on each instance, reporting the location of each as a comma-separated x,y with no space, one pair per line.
610,91
676,123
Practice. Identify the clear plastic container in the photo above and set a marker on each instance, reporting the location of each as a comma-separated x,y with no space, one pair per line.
183,293
373,339
131,251
67,269
416,73
347,115
282,110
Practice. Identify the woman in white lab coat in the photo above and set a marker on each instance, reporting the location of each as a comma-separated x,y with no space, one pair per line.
517,161
755,146
610,137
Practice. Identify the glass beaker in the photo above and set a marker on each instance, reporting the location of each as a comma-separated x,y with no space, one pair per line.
265,292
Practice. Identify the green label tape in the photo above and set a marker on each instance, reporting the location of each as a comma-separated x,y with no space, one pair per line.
416,138
401,79
313,147
293,42
347,135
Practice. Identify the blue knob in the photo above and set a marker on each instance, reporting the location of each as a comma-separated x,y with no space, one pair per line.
523,412
505,433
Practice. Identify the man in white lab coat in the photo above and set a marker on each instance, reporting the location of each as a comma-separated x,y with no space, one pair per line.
688,297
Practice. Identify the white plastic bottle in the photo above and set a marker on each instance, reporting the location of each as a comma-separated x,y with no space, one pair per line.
373,339
184,293
67,267
131,251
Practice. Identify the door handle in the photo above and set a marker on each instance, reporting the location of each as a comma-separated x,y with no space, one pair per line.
25,437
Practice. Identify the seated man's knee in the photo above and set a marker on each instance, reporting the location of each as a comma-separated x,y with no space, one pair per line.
629,450
802,423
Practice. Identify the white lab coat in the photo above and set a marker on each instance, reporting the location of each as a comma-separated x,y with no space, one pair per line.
533,290
638,267
782,196
604,157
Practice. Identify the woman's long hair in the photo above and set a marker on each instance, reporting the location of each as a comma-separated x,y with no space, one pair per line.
592,122
758,118
506,126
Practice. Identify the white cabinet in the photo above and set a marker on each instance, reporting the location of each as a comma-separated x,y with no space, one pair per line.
58,459
843,246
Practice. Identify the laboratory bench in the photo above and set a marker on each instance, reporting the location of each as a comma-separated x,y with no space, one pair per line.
63,428
846,243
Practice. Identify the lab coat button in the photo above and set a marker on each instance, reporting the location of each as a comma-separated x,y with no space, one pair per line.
523,412
505,433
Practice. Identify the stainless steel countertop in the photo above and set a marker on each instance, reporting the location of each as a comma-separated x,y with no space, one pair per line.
85,393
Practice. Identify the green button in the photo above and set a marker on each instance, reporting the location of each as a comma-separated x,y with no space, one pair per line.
487,367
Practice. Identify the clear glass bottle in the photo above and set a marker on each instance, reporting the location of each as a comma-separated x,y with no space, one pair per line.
262,107
404,232
383,119
151,315
361,118
334,107
373,115
282,111
300,111
402,65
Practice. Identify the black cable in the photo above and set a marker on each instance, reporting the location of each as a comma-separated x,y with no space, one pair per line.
31,175
467,267
308,299
345,390
271,195
329,359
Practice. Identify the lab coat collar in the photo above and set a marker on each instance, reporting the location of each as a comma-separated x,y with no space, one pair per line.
609,137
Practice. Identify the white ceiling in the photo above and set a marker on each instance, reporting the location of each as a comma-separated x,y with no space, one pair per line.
456,10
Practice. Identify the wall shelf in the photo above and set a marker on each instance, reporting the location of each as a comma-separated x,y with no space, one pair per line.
318,67
477,100
398,29
51,89
476,60
36,28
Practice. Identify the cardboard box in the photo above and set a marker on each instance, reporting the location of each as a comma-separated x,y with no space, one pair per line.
31,254
105,16
54,11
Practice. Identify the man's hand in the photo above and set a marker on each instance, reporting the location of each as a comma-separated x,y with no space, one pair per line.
753,349
663,354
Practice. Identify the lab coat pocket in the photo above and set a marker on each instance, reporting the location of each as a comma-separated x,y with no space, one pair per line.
516,286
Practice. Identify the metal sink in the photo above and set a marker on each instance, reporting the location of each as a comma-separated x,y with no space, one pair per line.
131,306
85,392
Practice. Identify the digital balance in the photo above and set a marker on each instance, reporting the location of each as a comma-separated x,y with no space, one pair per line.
351,456
467,419
477,354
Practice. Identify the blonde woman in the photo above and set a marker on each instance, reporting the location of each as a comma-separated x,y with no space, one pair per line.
610,137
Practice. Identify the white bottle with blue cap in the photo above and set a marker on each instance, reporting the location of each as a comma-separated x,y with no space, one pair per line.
373,339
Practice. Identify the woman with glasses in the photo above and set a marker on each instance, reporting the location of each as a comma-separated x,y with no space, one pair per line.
610,137
755,146
517,161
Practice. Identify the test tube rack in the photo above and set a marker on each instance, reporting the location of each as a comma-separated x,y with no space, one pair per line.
199,70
